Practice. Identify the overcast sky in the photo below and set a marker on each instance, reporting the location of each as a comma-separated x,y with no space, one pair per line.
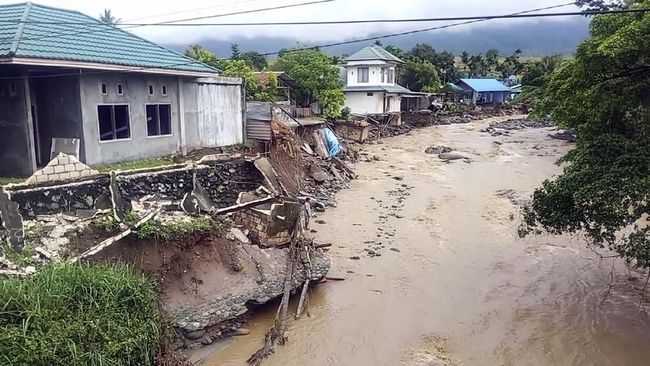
145,11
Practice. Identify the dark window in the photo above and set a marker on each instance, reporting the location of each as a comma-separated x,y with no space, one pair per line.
113,122
159,119
104,89
120,90
150,89
370,94
362,76
164,90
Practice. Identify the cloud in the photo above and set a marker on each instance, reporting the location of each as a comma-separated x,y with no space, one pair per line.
142,11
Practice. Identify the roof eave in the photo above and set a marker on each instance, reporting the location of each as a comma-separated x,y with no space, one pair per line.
102,66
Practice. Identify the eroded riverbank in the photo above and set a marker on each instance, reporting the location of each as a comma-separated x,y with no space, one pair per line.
452,268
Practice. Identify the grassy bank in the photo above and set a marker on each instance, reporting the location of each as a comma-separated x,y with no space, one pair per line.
79,315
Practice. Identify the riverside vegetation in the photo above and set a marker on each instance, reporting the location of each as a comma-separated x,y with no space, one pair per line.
78,314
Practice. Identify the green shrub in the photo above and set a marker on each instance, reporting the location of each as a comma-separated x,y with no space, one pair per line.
175,229
79,315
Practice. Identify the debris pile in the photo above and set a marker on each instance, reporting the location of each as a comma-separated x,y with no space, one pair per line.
504,128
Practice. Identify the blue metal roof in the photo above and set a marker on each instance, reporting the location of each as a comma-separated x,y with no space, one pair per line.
485,85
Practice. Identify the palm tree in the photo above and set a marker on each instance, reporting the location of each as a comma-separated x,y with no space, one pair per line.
108,18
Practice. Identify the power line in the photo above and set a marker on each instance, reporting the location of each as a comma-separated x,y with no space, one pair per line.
106,27
375,38
279,7
188,11
322,45
373,21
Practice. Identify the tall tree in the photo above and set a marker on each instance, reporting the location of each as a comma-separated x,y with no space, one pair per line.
604,93
315,75
107,17
394,50
235,53
255,89
492,60
204,55
255,59
419,76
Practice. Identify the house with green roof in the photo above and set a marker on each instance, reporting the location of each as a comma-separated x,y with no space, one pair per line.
65,76
370,86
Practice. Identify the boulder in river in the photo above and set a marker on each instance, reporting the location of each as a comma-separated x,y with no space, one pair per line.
438,150
451,156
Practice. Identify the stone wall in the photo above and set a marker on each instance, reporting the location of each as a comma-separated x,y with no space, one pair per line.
61,198
223,181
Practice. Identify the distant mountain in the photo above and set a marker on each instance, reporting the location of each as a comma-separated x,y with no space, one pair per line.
535,38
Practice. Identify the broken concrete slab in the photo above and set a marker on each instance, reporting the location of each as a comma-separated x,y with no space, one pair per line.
120,206
270,175
12,221
201,196
240,236
318,174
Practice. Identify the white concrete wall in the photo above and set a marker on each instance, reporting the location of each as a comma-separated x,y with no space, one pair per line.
374,74
361,103
395,103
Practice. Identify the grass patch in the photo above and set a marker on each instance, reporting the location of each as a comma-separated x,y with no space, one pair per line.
22,258
77,314
8,180
136,164
106,222
173,230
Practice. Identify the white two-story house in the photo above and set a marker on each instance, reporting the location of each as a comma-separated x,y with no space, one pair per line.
370,86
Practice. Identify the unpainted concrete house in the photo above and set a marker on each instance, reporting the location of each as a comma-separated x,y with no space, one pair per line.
65,75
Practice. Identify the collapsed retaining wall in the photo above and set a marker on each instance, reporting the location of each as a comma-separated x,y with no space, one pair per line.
223,181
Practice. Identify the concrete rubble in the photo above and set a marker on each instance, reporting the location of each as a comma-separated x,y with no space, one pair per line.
506,127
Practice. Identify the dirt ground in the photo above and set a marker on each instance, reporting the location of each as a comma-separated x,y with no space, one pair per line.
436,274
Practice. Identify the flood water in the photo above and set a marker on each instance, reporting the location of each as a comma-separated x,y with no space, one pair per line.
462,276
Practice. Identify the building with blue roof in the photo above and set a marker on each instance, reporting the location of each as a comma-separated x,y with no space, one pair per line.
65,76
483,91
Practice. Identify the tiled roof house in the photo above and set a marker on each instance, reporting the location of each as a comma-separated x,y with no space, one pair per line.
65,75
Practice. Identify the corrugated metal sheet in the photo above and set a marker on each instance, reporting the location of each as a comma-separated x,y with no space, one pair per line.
260,111
485,85
258,130
220,117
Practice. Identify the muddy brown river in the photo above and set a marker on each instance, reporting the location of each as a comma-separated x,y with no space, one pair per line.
454,284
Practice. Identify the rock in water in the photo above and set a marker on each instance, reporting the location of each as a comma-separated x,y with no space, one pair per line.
241,332
438,150
451,156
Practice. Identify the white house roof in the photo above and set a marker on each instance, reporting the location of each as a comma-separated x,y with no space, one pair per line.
372,88
374,53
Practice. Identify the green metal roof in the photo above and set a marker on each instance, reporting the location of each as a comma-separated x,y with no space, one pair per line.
374,53
40,32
